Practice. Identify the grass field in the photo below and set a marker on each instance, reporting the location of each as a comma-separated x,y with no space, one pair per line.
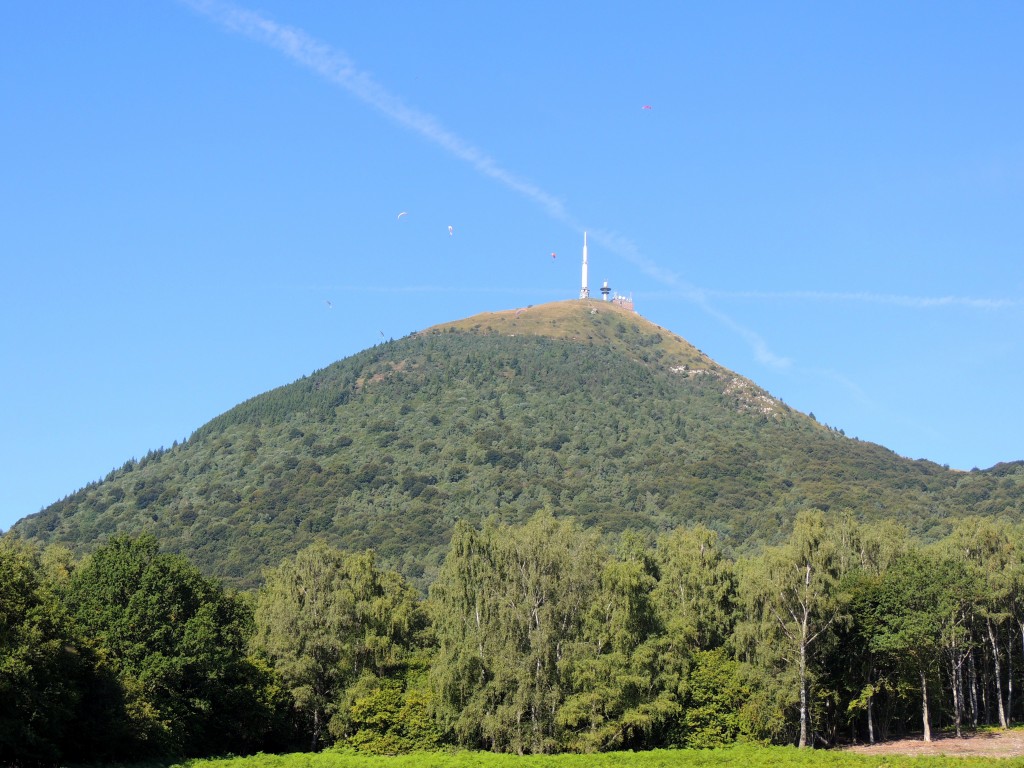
755,757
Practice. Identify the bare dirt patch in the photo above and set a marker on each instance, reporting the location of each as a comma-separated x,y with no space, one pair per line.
984,744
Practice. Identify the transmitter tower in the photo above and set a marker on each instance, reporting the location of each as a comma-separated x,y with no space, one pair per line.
584,290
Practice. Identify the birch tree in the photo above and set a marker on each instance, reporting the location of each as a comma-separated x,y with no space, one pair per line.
988,548
790,599
324,618
696,589
507,604
617,670
919,613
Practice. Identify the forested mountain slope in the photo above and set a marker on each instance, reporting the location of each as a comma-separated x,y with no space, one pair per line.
581,407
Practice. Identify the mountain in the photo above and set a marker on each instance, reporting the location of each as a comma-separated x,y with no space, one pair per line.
583,407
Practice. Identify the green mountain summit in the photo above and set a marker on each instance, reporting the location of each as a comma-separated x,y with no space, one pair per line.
581,407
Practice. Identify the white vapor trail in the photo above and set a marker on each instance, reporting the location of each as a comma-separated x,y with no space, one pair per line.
895,300
334,66
698,296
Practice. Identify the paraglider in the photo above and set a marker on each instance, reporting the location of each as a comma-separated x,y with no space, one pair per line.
403,213
450,231
646,106
553,255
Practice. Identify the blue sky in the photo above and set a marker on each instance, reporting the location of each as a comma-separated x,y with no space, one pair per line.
824,197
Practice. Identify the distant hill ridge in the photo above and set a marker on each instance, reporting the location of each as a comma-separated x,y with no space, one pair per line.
581,407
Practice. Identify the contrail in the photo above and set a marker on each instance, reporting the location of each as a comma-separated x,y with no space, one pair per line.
895,300
626,248
334,66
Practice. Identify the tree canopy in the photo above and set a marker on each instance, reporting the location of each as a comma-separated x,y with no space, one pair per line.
537,637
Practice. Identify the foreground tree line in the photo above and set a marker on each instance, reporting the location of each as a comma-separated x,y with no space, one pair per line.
534,638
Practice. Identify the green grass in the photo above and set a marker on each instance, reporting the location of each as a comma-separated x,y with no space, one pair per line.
755,757
593,321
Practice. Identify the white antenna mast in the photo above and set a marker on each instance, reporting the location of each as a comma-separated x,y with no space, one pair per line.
584,291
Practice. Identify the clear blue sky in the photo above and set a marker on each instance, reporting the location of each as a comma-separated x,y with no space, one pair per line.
827,198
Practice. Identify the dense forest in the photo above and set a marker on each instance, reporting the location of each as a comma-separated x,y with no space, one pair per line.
534,638
580,407
561,528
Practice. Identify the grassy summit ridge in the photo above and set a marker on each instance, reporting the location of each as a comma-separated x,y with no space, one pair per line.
581,407
590,322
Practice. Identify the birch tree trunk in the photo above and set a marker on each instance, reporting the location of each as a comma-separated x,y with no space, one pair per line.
998,671
871,720
1009,681
954,673
924,707
972,674
803,695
